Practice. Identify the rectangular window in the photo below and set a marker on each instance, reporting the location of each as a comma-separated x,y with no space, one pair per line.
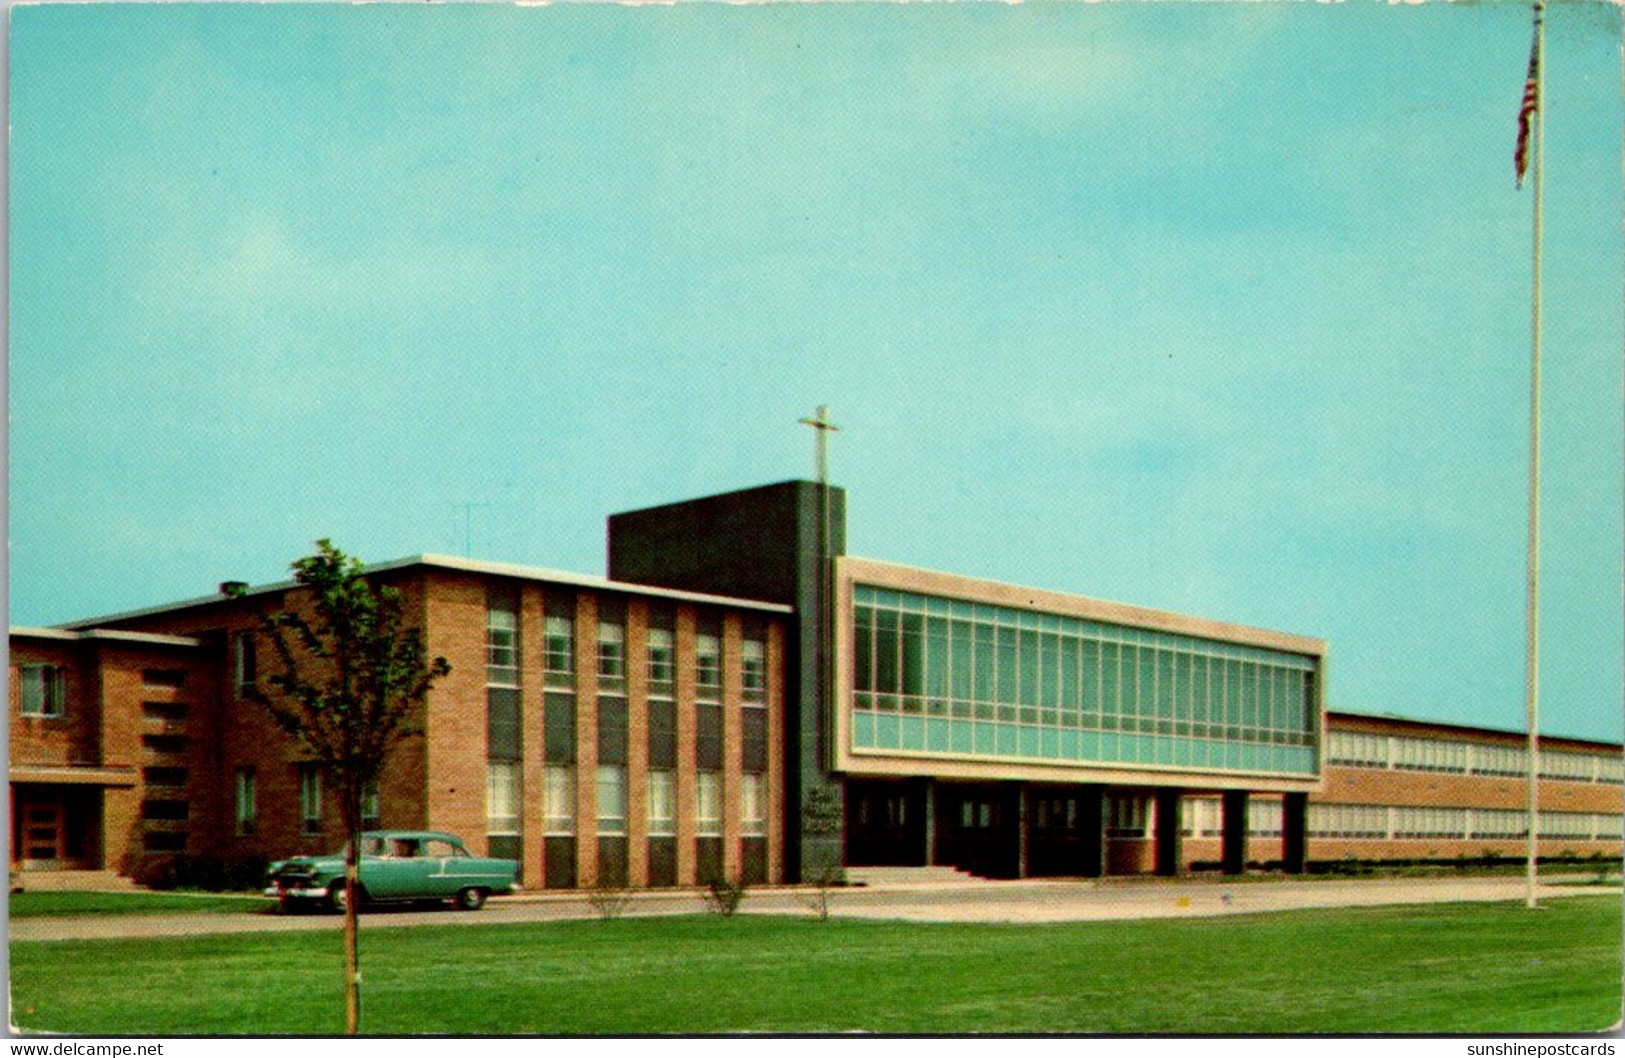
558,651
559,800
503,738
662,663
662,734
708,737
173,679
662,803
753,670
44,690
501,639
244,660
172,777
168,811
708,804
502,797
164,745
248,812
165,712
310,798
611,657
369,805
559,728
752,806
708,667
611,799
612,730
753,742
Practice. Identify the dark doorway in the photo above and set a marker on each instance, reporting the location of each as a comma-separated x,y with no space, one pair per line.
885,823
1064,831
979,829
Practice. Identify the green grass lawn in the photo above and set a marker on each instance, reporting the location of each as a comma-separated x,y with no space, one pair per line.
1443,968
33,905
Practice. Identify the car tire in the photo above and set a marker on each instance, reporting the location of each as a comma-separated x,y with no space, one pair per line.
335,896
470,899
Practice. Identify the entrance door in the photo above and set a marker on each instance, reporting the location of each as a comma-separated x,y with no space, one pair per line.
1062,832
45,833
978,829
885,824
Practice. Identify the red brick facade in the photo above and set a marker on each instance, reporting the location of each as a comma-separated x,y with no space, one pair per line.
93,764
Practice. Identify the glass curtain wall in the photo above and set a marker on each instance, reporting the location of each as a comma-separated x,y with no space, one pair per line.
940,675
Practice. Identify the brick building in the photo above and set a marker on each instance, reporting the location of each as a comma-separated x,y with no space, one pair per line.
669,724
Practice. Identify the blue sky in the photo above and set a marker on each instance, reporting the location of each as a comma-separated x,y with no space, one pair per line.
1217,308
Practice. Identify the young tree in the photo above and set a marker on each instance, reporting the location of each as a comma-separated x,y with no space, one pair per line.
352,677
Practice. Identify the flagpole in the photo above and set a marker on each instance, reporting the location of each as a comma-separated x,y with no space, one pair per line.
1532,615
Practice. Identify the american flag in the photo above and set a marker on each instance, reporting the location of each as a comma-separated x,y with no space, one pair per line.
1531,100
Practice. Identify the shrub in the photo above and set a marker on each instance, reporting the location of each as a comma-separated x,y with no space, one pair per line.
608,901
723,897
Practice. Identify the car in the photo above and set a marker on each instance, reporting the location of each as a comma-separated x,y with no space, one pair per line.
396,866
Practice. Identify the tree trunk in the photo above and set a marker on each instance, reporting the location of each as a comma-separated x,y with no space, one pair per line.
351,812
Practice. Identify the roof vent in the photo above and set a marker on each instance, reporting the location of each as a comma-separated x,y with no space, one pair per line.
233,588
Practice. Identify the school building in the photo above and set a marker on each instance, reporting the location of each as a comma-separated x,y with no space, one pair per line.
739,697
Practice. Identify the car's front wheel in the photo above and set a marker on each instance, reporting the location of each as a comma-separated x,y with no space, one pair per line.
471,899
339,898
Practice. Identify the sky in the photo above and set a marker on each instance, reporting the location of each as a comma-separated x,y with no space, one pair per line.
1217,308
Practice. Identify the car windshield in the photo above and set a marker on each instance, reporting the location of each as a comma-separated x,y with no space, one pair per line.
371,845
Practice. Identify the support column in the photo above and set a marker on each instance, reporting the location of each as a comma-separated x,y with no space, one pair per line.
1169,851
928,797
1092,830
1019,804
1235,831
1294,831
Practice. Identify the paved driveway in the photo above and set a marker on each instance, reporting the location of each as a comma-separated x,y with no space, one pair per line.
1023,901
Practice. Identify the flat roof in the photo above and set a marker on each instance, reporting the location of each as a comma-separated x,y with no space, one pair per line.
1046,600
113,634
463,565
1414,721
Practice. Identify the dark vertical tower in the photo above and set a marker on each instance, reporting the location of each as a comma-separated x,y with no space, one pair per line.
771,543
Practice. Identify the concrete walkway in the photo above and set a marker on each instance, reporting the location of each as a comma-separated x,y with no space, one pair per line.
981,901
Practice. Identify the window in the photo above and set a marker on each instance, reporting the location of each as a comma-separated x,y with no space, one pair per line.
661,662
611,799
611,657
168,811
558,651
708,804
1427,754
369,804
1126,817
1500,760
1577,767
310,798
245,660
662,803
501,645
1264,818
708,737
164,776
164,745
1356,749
753,739
559,728
248,813
44,690
502,798
753,670
174,679
559,800
752,806
708,667
165,712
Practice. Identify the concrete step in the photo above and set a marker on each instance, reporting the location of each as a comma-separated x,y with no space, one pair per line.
908,876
